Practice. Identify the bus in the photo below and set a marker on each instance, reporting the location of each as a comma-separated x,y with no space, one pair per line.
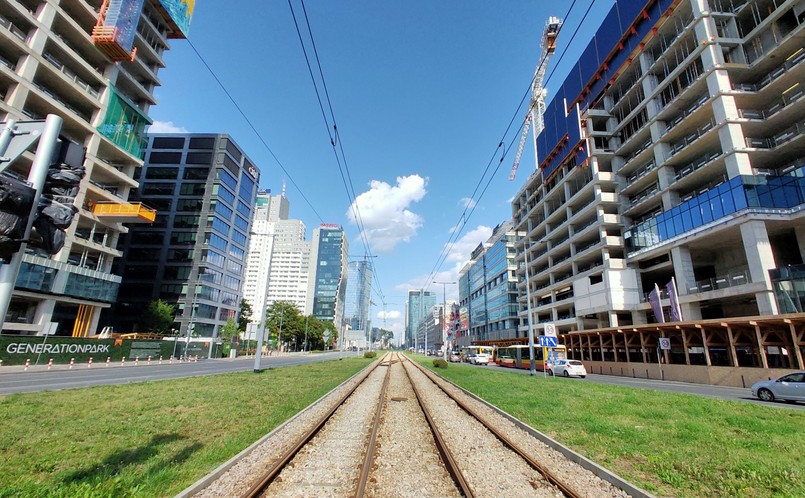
466,351
517,356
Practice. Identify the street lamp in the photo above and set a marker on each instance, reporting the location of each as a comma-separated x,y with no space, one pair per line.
258,352
444,316
530,319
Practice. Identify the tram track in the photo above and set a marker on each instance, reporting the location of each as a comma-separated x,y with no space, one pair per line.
403,431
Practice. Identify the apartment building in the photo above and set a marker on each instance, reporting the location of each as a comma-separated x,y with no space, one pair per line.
279,256
674,150
193,256
67,58
487,287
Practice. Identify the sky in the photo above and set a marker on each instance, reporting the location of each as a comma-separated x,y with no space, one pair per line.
422,92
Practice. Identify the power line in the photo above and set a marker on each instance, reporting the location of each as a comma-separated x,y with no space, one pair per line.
464,218
335,138
254,129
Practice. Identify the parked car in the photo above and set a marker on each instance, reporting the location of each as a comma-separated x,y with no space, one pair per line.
567,368
789,388
455,357
479,359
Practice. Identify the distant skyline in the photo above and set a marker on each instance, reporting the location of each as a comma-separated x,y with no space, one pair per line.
422,93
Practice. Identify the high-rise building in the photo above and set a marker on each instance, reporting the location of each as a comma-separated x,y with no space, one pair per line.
279,256
95,65
327,283
358,302
672,152
417,306
194,255
488,289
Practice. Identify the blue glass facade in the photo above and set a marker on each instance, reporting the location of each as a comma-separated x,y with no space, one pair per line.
329,286
739,193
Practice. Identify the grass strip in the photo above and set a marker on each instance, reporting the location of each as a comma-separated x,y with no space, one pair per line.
150,438
668,444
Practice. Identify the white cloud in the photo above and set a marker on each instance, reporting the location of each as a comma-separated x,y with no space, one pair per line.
462,249
467,202
389,315
459,255
384,211
166,127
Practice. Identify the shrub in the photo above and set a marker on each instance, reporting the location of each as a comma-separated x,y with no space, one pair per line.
439,363
369,354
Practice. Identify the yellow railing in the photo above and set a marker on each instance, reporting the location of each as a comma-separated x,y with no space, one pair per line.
137,209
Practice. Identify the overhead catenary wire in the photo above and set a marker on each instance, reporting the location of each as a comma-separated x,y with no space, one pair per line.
335,138
254,129
464,218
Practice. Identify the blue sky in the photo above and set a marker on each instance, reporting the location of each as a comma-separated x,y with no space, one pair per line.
422,93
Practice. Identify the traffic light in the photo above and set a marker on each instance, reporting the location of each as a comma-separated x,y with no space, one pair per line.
56,211
16,203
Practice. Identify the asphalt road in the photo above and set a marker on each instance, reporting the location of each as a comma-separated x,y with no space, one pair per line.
706,390
13,379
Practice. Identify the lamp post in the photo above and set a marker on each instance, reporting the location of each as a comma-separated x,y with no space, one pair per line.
444,316
304,346
259,351
533,370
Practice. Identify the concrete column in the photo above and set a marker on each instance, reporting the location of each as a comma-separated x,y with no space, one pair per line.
613,319
683,269
799,231
760,259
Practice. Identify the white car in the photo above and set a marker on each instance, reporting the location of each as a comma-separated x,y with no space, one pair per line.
788,388
455,357
567,368
479,359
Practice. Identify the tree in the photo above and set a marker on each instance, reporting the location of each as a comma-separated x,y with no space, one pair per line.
315,333
330,334
158,317
385,337
245,315
229,330
285,323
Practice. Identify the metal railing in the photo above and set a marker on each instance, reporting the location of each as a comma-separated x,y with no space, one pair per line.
731,279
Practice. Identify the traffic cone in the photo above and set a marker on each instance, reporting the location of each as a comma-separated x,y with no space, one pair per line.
108,359
149,360
122,360
89,364
136,361
170,360
160,359
72,362
50,363
27,364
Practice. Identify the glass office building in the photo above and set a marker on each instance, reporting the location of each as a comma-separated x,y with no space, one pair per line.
358,302
194,255
327,283
488,289
417,307
673,151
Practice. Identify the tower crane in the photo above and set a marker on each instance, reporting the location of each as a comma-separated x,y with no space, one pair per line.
536,107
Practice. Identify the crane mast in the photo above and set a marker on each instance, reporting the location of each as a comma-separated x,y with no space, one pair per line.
536,106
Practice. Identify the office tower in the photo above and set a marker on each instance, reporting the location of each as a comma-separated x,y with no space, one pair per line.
672,153
279,256
358,302
487,288
327,283
65,58
194,255
417,306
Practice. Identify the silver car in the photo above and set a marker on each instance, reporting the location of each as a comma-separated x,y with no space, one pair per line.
788,388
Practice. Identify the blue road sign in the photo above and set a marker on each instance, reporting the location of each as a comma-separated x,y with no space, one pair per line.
547,341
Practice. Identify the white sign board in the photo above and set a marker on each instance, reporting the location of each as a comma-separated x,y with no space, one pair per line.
550,330
665,343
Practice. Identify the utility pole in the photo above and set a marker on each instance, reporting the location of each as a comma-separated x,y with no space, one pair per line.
45,150
444,316
531,359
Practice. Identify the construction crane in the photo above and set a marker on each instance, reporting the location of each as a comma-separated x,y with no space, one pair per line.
536,106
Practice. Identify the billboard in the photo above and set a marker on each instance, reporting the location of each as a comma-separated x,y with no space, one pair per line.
177,13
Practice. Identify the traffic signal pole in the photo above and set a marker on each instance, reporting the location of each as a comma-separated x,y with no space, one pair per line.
46,148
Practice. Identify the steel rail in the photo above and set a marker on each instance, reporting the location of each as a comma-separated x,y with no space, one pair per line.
370,450
268,477
549,476
441,446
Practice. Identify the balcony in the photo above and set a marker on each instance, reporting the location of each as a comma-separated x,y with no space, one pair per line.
777,140
696,164
679,146
135,212
731,279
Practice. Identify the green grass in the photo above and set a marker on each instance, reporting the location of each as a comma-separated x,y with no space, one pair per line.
148,439
668,444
